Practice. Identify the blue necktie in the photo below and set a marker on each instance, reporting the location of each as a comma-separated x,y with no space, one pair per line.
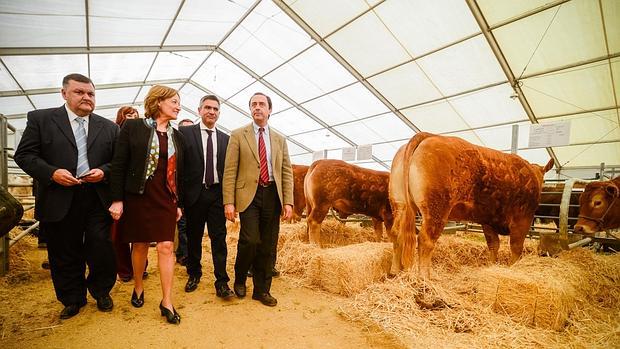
80,142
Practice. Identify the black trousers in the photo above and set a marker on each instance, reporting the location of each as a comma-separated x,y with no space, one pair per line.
260,226
81,238
210,209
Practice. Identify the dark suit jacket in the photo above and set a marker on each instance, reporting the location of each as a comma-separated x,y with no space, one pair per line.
194,169
48,144
130,159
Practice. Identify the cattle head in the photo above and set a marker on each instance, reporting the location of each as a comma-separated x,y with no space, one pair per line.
599,207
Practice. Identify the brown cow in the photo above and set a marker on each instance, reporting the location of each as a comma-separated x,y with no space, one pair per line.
348,189
449,178
599,207
299,199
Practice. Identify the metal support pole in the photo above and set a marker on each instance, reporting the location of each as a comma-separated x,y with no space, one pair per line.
564,205
4,181
515,139
602,172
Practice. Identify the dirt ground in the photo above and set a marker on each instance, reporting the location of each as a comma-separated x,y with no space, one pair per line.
303,318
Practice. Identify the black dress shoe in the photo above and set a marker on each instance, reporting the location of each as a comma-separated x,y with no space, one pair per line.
125,278
145,274
192,284
265,298
224,292
71,310
136,301
275,272
239,290
171,316
251,272
105,303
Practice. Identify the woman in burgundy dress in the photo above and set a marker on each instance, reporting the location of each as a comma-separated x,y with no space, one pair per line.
145,191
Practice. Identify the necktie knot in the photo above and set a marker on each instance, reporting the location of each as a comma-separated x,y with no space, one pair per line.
80,120
261,129
209,132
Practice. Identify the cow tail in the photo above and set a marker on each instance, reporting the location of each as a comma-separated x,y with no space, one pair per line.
408,234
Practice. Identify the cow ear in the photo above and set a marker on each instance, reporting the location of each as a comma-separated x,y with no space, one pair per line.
612,190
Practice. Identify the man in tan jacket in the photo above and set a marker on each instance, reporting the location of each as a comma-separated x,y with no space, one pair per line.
257,183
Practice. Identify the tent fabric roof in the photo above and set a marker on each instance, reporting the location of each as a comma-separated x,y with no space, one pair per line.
340,73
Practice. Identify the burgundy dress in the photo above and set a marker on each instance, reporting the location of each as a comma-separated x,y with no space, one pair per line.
152,215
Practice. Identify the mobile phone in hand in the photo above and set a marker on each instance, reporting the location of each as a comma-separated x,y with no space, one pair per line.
84,175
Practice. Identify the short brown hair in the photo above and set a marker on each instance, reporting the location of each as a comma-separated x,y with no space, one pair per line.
120,114
155,95
76,77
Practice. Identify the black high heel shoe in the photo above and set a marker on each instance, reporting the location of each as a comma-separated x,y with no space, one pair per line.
171,316
136,301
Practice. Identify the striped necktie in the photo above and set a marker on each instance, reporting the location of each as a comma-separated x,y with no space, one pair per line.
262,154
80,142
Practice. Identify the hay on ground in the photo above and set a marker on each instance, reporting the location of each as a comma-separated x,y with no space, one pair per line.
348,270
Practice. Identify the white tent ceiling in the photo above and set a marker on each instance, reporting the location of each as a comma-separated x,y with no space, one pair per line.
341,73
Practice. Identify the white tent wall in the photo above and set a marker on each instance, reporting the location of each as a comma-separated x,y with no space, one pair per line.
340,73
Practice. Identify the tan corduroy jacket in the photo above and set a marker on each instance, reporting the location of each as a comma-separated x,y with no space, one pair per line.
242,168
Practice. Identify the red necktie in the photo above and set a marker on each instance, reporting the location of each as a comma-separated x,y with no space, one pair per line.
262,154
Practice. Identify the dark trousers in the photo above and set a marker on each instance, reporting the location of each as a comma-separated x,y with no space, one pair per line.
260,226
210,209
182,247
122,252
81,238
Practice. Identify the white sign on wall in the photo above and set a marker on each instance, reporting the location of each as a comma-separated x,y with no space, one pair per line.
364,152
348,154
553,134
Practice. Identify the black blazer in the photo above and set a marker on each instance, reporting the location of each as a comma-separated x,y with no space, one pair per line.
194,169
48,144
130,159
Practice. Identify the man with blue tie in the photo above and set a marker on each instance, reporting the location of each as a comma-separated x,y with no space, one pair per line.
205,152
68,150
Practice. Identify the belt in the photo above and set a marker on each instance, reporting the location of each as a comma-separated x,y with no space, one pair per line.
266,184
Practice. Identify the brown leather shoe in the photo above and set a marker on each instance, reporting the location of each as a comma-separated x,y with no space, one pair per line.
265,298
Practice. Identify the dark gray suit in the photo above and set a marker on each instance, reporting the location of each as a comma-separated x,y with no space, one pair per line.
204,204
75,218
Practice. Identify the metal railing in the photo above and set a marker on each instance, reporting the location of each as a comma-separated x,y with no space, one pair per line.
4,181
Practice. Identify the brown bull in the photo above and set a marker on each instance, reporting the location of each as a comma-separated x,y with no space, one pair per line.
599,207
448,178
348,189
299,199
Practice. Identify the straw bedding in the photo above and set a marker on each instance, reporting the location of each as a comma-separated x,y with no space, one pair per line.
569,301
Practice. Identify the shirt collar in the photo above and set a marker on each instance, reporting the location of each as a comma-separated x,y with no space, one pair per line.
73,115
256,127
204,127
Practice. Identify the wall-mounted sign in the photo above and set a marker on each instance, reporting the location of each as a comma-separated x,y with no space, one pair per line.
552,134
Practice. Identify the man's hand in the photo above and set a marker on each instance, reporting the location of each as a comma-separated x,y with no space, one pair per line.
93,176
64,178
287,212
179,213
116,210
229,212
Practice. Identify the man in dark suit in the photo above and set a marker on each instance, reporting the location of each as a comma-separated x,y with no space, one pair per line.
68,151
258,183
205,152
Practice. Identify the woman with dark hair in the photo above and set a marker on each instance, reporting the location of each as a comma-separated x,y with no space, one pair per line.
124,268
146,191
